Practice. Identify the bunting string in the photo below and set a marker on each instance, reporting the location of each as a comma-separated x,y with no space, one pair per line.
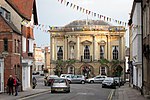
89,12
45,28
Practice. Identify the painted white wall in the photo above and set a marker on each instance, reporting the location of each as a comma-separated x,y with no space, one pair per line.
134,76
24,44
136,45
31,43
1,75
140,76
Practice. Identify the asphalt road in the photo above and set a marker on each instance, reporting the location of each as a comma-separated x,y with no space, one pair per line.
78,92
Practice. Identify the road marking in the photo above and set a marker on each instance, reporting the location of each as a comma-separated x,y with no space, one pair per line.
82,93
34,95
110,95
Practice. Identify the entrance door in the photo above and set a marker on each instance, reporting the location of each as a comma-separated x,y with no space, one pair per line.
1,75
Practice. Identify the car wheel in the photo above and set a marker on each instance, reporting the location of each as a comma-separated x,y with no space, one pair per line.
52,91
91,81
69,81
45,83
82,82
68,91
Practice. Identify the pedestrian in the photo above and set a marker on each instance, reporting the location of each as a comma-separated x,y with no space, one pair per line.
34,82
16,84
10,84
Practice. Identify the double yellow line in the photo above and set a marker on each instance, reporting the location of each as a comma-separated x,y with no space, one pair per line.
111,95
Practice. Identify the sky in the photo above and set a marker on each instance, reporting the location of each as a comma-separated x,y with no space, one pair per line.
55,13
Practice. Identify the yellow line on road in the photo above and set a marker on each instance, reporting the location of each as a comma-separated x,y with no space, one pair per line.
110,95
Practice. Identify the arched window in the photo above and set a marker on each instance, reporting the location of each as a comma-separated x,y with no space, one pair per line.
115,52
5,44
86,52
71,70
103,71
60,53
101,51
72,52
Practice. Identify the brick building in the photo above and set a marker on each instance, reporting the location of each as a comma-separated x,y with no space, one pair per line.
16,39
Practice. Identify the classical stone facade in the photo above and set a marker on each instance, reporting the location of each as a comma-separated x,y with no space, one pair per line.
87,42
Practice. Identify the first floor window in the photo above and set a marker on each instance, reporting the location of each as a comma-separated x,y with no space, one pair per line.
101,51
86,52
59,53
115,52
72,52
5,44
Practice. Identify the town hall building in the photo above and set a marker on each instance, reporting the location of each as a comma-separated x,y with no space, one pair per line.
86,42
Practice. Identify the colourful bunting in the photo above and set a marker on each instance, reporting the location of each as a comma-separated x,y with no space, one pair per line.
105,18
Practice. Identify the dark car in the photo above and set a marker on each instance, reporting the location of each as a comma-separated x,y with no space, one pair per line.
48,79
109,82
60,85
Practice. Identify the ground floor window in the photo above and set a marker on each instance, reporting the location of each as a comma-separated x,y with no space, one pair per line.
103,70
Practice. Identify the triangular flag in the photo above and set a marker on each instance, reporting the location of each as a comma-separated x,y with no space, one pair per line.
77,7
67,3
71,5
80,8
74,6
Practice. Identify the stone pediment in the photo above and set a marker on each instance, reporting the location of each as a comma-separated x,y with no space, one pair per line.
86,42
102,42
72,43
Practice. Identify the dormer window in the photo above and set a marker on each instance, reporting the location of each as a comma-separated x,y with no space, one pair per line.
5,13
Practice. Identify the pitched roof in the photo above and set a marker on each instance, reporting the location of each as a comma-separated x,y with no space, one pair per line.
24,8
9,26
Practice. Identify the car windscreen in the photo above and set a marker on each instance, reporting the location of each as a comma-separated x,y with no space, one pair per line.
59,81
108,80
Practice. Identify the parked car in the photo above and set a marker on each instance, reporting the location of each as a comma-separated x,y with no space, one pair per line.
78,79
96,79
48,79
117,81
60,85
35,73
67,76
109,82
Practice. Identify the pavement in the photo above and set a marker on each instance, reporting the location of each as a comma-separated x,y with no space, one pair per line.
23,94
127,93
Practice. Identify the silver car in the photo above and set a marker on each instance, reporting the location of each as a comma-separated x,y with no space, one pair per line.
60,85
67,76
78,79
96,79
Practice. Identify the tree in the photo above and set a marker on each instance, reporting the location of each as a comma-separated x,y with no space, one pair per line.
59,67
70,61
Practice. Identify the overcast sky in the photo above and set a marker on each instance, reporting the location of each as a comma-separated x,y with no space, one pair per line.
53,13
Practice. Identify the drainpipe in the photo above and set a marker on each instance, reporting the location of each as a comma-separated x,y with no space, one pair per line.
142,46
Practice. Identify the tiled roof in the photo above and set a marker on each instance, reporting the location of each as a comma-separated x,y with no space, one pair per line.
23,7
